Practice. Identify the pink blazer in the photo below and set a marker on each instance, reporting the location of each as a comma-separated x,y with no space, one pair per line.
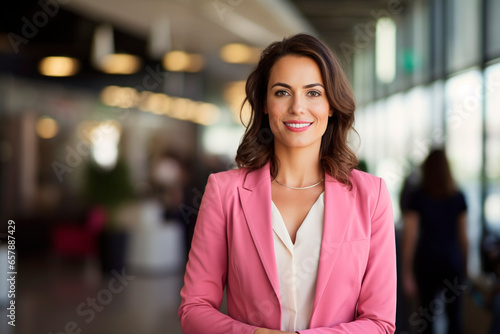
233,247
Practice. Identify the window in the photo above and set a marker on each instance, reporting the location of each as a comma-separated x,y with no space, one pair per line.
463,94
463,34
492,202
493,27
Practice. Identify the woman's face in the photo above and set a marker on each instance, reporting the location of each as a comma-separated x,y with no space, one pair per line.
296,103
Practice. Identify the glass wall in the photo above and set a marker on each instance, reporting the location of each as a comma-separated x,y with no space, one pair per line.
492,146
492,28
446,94
463,45
463,96
420,55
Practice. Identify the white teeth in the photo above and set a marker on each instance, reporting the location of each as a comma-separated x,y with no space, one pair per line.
297,125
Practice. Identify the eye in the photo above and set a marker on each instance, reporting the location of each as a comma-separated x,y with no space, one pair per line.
313,93
281,93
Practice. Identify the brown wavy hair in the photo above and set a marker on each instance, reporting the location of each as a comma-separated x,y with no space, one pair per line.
437,179
257,145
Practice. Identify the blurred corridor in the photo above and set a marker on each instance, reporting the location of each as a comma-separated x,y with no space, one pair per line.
113,114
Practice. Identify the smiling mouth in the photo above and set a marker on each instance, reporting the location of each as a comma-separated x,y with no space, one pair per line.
297,125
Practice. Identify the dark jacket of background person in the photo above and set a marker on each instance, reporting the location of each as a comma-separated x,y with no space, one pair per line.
435,243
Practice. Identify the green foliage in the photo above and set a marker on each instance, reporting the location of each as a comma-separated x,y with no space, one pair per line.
109,188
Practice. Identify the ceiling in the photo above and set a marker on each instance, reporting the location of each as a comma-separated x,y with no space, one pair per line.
201,26
340,21
335,19
208,24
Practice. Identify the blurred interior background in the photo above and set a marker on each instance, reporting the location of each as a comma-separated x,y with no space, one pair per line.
114,112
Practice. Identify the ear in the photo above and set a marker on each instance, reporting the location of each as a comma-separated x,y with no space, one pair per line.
330,112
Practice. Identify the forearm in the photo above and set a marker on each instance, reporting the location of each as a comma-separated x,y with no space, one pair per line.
463,241
409,242
205,319
464,247
408,257
270,331
358,326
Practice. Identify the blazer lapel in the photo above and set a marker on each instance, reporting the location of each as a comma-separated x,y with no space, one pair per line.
338,215
255,196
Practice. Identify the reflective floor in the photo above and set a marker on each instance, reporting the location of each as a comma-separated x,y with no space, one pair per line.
58,296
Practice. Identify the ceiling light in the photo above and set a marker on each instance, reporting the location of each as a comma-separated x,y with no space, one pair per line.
120,63
180,61
122,97
234,95
105,138
196,63
157,103
58,66
46,127
206,114
183,108
385,50
237,53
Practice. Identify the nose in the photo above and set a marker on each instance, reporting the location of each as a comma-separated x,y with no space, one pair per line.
297,106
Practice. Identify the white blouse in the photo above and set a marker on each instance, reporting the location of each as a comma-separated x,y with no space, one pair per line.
298,265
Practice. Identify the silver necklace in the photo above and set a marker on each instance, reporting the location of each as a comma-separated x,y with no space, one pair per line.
299,188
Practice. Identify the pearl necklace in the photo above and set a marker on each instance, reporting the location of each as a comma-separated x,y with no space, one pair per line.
299,188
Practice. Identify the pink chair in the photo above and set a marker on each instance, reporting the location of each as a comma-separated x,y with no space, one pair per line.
71,240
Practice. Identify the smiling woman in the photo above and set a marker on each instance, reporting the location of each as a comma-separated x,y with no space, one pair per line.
301,240
293,107
326,84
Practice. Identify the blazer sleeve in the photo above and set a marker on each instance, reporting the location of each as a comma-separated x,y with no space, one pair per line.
376,311
206,271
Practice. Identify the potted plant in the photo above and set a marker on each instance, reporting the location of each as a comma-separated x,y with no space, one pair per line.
111,189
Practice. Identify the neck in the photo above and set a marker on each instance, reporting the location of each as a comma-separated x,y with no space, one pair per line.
298,167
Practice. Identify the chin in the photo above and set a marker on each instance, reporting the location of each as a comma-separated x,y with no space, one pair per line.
299,144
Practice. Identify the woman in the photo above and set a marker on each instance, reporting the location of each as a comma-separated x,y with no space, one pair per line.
435,245
301,241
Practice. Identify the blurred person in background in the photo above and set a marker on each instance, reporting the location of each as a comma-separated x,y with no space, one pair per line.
435,243
490,297
301,240
170,178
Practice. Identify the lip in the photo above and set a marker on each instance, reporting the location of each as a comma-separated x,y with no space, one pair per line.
297,122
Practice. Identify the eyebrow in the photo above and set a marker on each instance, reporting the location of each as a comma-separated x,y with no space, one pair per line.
289,87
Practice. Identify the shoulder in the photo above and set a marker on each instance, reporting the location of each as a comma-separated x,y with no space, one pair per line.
370,190
460,195
229,177
460,200
363,182
227,182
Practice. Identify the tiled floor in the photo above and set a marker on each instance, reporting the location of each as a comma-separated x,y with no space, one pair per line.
58,297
